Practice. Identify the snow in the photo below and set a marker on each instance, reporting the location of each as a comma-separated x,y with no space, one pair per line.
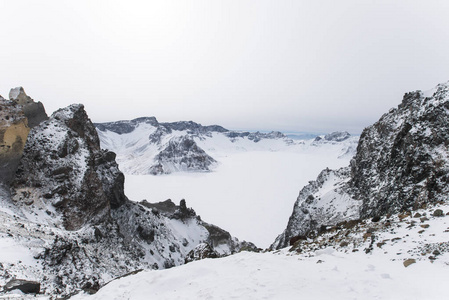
327,273
251,189
268,276
250,194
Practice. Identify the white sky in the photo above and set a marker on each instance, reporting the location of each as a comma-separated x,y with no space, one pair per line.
281,65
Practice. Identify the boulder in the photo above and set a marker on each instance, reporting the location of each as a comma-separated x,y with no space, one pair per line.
26,286
409,262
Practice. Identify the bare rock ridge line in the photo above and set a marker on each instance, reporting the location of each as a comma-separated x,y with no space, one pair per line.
174,145
401,164
67,201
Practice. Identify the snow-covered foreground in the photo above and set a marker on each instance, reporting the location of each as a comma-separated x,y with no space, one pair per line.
269,276
250,194
332,272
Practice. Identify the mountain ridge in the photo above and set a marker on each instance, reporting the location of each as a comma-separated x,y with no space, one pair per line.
65,209
401,164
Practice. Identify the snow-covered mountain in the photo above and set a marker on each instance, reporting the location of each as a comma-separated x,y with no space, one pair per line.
401,164
145,146
376,229
400,257
66,223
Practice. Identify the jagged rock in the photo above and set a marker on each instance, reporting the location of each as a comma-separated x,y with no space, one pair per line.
34,111
316,206
201,251
256,136
181,153
26,286
402,163
17,116
334,137
337,136
18,94
193,128
13,134
122,127
64,167
404,154
217,238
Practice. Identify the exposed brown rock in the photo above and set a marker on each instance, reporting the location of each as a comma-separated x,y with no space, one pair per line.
409,262
13,134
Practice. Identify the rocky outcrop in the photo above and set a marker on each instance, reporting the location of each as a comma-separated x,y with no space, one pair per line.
402,160
13,134
181,154
201,251
336,137
25,286
219,240
63,168
193,128
321,203
123,127
402,163
255,136
34,111
17,116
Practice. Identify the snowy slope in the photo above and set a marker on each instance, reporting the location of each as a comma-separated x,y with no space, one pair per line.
325,269
145,146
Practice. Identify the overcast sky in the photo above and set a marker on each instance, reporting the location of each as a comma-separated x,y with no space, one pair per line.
271,65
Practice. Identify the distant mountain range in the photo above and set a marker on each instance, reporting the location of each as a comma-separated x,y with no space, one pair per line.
146,146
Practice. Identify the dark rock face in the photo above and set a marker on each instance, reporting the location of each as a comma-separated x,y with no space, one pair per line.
315,207
122,127
26,286
338,136
193,128
64,166
402,163
181,154
216,236
256,136
402,160
201,251
334,137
